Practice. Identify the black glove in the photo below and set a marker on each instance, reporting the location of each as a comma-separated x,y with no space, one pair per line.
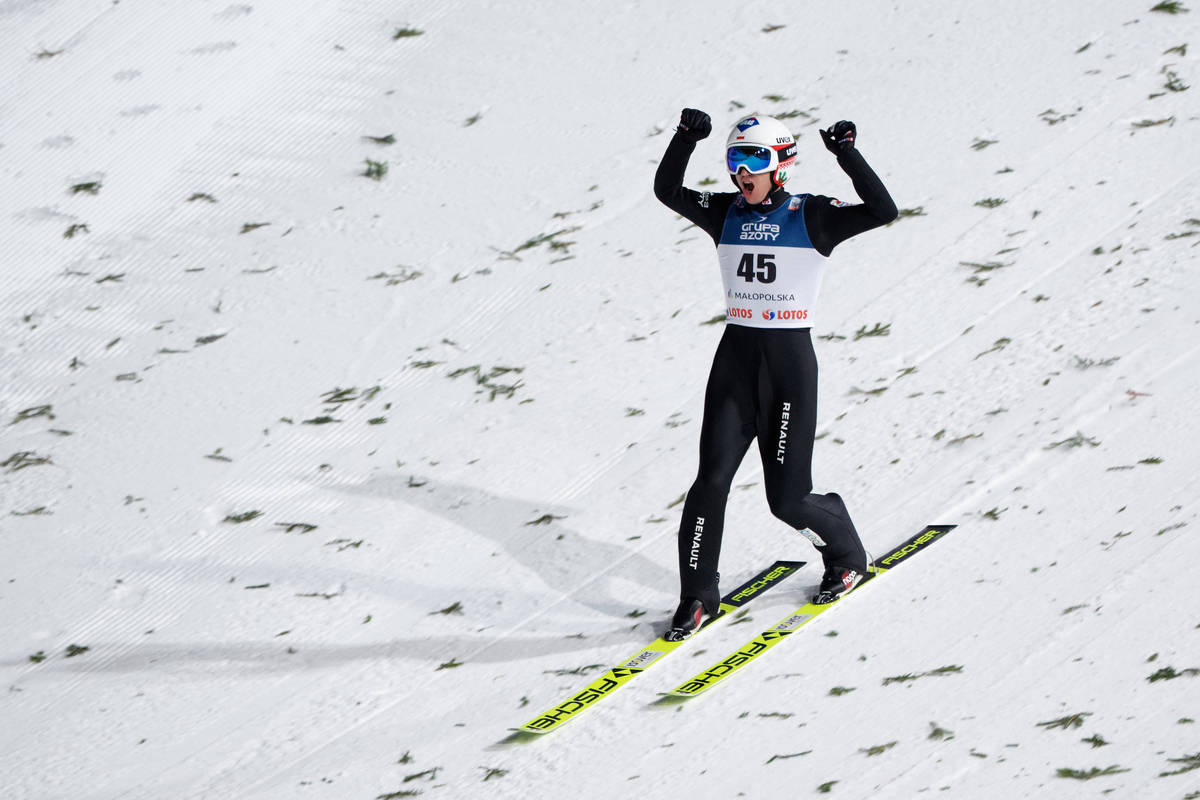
840,138
694,124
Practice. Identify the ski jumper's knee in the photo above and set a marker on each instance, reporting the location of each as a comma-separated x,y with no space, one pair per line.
794,506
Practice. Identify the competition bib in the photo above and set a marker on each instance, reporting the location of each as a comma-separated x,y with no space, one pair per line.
771,271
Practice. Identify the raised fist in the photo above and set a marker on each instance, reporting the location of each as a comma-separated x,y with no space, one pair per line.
840,138
694,124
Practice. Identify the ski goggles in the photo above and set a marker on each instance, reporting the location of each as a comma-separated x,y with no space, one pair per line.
754,158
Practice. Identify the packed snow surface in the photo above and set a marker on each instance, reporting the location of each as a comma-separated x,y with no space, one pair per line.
351,376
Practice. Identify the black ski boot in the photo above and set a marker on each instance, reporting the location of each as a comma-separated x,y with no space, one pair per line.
836,582
692,614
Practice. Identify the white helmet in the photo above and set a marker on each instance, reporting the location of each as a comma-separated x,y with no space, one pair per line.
761,144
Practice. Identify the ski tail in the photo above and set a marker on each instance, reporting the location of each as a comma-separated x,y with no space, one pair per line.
910,548
754,587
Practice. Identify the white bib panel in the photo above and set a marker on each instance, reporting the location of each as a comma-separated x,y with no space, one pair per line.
770,270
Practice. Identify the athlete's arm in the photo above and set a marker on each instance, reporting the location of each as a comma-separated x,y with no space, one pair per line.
705,209
830,223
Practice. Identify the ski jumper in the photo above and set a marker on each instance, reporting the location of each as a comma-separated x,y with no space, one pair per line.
763,381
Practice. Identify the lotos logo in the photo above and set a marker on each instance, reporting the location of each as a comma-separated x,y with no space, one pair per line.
786,314
738,313
747,123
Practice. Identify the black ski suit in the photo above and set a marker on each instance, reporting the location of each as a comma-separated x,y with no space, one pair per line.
763,381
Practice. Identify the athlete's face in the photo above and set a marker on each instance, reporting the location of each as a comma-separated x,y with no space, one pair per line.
754,188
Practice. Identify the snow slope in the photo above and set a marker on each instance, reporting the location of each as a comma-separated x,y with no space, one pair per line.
312,485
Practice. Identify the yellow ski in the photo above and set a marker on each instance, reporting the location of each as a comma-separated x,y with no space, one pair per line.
801,617
628,669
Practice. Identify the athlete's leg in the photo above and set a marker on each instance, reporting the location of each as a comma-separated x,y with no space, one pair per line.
725,435
787,425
